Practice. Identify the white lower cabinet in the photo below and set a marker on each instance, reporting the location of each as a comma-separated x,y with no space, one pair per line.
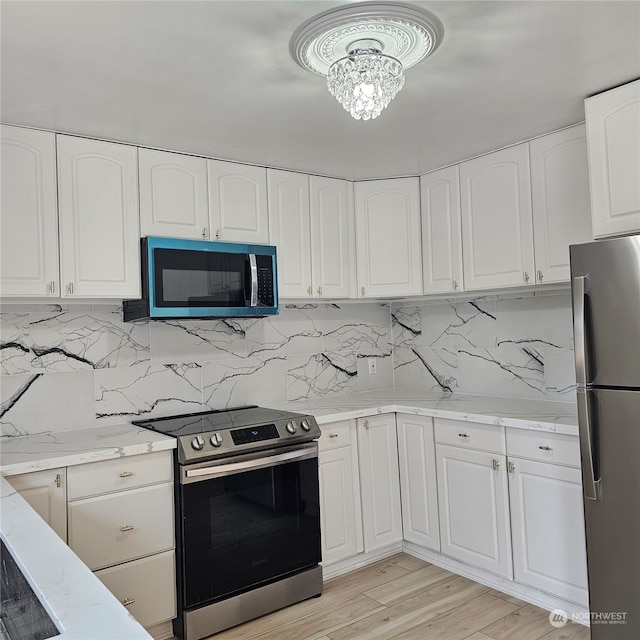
46,493
340,515
379,484
547,517
120,523
418,489
473,497
146,587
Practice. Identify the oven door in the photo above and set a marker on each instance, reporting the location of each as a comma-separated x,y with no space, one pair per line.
247,521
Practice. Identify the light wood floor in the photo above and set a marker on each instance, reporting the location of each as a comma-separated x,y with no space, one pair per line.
404,598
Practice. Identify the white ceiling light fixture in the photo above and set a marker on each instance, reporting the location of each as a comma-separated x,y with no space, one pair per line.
363,50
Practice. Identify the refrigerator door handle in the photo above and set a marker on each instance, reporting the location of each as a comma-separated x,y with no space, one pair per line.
589,482
579,291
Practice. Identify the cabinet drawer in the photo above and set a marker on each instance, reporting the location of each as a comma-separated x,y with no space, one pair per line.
470,435
107,476
547,447
108,530
147,587
335,435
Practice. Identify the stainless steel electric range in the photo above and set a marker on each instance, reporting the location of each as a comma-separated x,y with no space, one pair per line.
247,514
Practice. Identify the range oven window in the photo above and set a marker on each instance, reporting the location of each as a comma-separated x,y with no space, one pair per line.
247,529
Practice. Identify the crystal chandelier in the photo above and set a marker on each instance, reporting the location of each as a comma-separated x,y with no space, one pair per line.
363,50
366,80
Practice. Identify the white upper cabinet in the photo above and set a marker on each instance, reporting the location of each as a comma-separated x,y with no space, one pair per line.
388,242
441,235
29,227
238,202
560,200
99,221
290,231
497,233
173,195
613,136
332,238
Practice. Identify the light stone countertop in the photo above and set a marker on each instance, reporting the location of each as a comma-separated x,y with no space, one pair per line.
78,603
557,417
67,448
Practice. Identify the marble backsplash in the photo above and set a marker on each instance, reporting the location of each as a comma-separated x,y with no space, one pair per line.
67,367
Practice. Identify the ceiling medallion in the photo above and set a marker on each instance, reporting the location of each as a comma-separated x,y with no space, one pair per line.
363,50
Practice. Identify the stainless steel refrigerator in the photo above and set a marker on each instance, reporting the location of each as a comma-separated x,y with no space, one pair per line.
605,277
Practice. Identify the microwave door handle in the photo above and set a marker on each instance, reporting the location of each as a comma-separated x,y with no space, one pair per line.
253,268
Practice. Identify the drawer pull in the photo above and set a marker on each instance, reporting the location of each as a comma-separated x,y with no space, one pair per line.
126,474
126,527
545,447
463,435
127,601
333,435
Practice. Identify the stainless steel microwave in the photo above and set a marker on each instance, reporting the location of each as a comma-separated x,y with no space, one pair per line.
203,279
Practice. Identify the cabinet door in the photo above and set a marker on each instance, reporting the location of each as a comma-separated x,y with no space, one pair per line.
613,138
560,200
497,233
238,202
29,227
99,224
332,237
147,587
389,255
290,231
46,492
547,524
474,509
337,505
379,481
441,234
173,195
416,455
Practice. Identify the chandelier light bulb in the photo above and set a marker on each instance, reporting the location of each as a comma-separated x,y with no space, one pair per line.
365,82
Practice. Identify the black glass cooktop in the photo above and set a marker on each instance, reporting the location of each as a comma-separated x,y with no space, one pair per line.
206,421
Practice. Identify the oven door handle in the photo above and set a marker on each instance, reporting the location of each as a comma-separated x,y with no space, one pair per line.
263,462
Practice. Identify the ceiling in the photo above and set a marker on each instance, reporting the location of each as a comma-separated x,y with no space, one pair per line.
215,78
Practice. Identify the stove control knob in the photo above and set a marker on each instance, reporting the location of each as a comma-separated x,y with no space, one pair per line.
305,425
292,427
216,440
197,443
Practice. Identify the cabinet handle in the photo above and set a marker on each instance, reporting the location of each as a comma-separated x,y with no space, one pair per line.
127,601
309,291
58,480
540,276
526,276
70,288
126,527
365,424
52,287
126,474
495,464
319,291
333,435
455,284
463,435
511,467
217,234
545,447
361,291
205,232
